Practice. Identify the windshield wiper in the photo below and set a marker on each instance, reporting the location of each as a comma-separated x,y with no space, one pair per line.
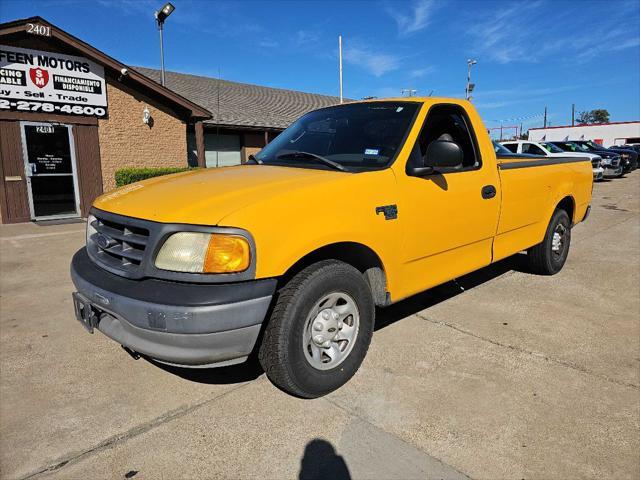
313,156
255,159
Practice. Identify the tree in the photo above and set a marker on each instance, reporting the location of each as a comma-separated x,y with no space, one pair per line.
599,115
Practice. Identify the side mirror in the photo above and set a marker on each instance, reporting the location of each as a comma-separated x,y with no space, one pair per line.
442,153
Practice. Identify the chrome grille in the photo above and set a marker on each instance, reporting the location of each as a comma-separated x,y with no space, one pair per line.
117,243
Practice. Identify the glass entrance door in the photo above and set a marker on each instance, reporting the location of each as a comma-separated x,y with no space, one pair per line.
51,170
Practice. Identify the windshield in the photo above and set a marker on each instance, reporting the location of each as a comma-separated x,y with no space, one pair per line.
594,146
501,149
580,147
357,137
571,147
550,147
587,146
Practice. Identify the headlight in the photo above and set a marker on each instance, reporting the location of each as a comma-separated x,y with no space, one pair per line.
90,229
197,252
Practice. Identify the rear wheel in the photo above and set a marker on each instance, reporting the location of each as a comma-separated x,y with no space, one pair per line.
319,331
548,257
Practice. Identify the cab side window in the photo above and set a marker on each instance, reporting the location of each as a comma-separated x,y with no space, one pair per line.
513,147
531,149
449,123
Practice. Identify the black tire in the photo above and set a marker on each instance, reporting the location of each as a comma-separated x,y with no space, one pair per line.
281,352
544,259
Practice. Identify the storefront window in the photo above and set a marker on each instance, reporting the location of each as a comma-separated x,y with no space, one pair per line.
221,150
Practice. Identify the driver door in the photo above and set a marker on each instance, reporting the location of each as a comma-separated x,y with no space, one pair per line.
448,224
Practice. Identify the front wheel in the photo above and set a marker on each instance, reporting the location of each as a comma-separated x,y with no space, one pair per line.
319,331
548,257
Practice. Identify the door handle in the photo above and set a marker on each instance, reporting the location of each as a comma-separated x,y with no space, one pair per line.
488,191
16,178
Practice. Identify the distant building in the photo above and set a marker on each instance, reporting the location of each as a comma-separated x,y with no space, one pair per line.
606,134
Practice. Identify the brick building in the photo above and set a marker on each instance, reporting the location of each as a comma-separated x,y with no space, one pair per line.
70,116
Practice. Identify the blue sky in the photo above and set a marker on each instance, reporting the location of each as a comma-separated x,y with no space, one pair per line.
530,54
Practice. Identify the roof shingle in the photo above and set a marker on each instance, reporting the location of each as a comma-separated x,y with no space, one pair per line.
242,104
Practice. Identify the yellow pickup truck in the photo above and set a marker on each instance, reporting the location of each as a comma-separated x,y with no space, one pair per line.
353,206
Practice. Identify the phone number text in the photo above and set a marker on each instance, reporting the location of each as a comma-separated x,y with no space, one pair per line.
25,106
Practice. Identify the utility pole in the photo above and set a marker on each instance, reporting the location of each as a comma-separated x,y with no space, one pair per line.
520,131
545,117
470,86
573,114
340,55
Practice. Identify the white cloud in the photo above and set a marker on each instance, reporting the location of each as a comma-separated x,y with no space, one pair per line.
420,72
488,99
376,63
306,38
502,36
522,33
416,19
268,43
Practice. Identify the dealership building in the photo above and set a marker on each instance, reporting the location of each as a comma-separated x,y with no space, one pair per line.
606,134
71,116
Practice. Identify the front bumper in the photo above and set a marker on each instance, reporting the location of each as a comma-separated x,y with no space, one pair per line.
598,173
194,325
613,171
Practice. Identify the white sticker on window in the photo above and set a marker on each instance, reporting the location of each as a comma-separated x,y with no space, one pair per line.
371,151
399,109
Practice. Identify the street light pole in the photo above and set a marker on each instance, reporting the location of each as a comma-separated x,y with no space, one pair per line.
161,15
469,89
160,25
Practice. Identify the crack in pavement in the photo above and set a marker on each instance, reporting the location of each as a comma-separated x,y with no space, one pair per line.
350,413
129,434
547,358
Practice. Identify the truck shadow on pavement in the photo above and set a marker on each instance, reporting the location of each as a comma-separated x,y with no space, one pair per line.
422,301
251,369
243,372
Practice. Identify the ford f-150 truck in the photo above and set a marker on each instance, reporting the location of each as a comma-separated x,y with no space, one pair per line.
353,206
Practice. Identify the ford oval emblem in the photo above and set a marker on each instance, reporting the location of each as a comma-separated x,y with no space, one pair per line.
103,241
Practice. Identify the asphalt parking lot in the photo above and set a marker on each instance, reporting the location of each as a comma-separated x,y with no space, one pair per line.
500,375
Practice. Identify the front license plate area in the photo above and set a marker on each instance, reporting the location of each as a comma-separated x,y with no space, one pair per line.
85,312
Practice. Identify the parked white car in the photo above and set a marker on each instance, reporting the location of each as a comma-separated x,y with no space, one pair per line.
547,149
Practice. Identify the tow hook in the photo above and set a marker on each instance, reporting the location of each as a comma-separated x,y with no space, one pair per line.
134,355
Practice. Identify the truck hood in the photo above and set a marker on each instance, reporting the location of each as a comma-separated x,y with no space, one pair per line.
591,156
204,197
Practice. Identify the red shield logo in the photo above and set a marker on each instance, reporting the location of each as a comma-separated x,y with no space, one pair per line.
39,77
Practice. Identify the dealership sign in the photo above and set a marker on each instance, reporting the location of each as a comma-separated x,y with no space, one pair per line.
38,81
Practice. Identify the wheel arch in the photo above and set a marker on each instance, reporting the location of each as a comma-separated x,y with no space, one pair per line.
358,255
568,204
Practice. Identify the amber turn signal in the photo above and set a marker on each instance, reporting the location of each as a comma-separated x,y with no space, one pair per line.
227,254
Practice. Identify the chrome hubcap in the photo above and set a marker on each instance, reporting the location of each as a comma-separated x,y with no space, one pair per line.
330,331
558,239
